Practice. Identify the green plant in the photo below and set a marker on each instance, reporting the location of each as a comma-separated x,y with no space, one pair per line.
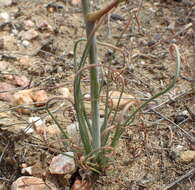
95,135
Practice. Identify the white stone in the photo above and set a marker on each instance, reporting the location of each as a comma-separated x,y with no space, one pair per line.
28,130
25,43
185,112
62,164
73,133
5,3
73,129
37,121
65,92
87,96
14,32
27,170
5,16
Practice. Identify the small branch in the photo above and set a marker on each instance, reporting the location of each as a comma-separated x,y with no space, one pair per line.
183,177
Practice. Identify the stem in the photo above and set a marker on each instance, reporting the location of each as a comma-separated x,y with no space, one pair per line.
94,78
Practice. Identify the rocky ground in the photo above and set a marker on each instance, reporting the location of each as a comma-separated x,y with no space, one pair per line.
36,64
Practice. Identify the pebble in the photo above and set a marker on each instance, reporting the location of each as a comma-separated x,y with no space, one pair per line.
4,3
62,164
31,183
179,118
23,97
40,97
28,24
25,43
65,92
125,99
187,156
151,43
28,35
37,121
115,17
5,16
73,133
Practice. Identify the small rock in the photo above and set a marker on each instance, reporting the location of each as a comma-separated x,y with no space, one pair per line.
157,37
179,118
70,54
26,61
116,17
62,164
44,26
23,98
82,185
65,92
5,16
51,130
17,80
28,35
87,97
31,183
37,122
73,133
59,69
14,32
53,7
21,81
35,170
175,152
28,24
4,3
184,112
25,43
172,155
3,66
27,170
151,43
125,99
171,26
6,96
40,97
75,2
152,10
187,3
9,42
187,156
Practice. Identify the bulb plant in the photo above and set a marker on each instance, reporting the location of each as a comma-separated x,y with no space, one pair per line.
100,136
